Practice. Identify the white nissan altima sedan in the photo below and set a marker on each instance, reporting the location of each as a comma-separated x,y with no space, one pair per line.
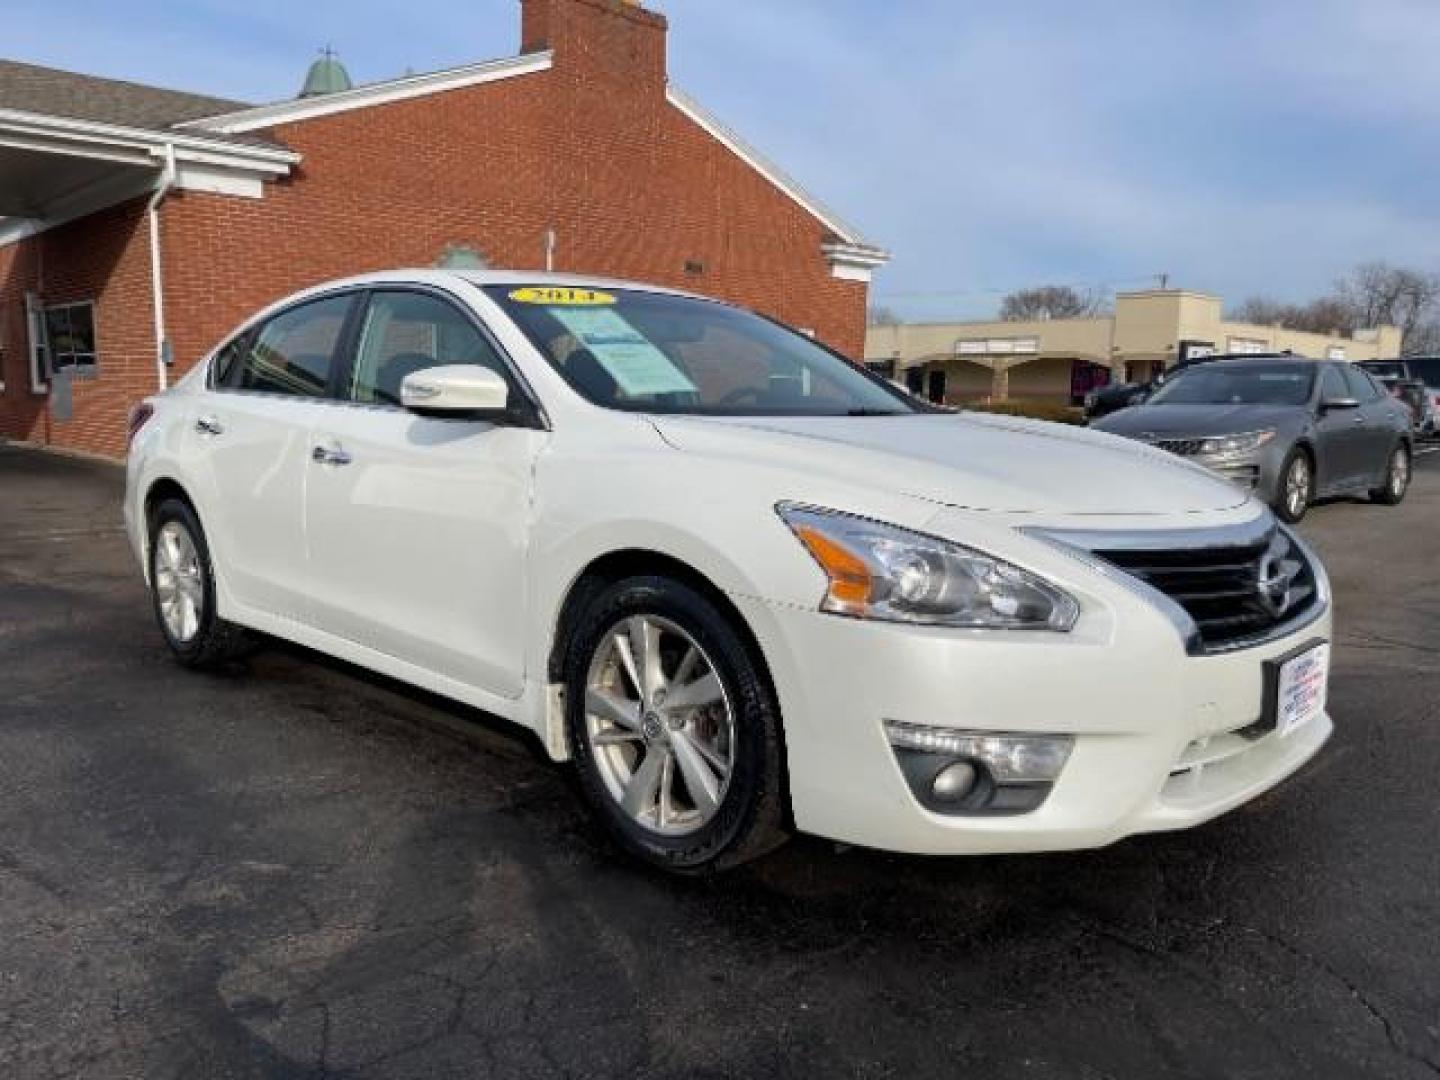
740,583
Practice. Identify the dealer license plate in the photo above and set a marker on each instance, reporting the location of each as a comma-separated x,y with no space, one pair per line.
1300,689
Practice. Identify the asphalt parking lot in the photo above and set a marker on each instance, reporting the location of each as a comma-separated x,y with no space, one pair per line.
299,870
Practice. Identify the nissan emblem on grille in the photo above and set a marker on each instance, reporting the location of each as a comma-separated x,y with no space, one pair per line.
1276,576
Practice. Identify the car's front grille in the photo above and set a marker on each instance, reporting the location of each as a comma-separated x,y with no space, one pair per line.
1233,593
1182,447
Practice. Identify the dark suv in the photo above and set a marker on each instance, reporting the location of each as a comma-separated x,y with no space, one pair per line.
1415,380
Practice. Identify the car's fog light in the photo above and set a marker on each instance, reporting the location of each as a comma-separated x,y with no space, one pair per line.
1008,758
954,782
976,772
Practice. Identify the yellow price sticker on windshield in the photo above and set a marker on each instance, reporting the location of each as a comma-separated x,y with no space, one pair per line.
559,296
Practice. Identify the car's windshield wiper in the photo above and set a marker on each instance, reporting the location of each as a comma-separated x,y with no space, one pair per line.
874,412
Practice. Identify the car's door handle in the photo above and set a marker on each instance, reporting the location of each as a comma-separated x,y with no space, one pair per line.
208,425
329,455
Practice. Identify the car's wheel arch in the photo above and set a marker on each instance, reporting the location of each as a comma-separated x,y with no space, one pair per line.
617,564
159,490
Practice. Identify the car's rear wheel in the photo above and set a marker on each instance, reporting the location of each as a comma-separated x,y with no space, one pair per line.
1297,487
182,590
673,728
1397,478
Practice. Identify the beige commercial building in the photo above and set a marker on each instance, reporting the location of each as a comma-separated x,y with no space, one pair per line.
1059,360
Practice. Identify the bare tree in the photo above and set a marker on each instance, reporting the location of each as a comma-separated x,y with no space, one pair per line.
1050,302
1262,311
879,315
1379,294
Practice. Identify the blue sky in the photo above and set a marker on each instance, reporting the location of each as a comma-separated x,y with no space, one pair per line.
1240,147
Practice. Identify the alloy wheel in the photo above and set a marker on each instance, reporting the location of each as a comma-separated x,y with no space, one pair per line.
1399,472
179,583
660,725
1297,486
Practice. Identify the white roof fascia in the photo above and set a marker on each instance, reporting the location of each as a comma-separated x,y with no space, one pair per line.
88,138
372,94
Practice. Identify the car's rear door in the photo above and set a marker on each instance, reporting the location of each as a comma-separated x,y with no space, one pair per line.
1376,433
418,527
249,447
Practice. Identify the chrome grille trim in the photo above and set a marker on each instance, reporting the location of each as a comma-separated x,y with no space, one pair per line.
1086,544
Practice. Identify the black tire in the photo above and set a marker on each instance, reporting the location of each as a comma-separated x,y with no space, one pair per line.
1286,508
749,819
1397,477
215,642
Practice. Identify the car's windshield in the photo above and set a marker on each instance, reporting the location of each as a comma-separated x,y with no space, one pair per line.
651,352
1251,384
1385,369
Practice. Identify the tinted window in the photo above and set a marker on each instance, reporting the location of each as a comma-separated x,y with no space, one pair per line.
226,365
1236,384
294,352
1332,385
1386,369
651,352
1426,368
1361,388
405,332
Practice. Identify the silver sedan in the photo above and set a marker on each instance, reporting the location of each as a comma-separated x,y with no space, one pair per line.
1290,430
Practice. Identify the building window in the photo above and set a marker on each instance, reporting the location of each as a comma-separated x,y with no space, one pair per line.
70,336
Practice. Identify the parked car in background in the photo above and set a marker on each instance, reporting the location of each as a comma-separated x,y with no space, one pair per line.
1290,430
736,580
1104,400
1416,381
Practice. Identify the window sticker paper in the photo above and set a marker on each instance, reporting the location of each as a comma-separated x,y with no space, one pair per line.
637,366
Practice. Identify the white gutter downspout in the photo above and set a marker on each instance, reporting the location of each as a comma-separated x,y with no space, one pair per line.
157,277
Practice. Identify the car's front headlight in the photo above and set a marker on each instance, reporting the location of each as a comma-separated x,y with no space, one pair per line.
880,571
1236,444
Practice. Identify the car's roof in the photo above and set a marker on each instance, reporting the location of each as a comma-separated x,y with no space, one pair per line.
441,275
1268,361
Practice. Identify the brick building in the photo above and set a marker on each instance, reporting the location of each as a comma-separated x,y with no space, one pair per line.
142,224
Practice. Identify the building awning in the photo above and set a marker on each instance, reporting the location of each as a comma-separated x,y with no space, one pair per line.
55,169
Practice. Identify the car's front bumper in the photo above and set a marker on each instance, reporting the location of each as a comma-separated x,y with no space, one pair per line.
1143,713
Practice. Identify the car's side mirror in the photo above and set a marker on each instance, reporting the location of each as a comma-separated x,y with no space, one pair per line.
458,391
1335,404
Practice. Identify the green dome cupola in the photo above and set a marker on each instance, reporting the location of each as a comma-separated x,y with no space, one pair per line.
326,75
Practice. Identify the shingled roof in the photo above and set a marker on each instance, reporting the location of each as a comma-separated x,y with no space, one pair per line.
52,92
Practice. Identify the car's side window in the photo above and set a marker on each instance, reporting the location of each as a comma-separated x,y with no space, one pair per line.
1361,388
1332,384
404,332
225,367
293,353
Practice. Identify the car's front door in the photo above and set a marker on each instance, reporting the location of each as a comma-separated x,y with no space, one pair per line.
1339,455
418,527
248,442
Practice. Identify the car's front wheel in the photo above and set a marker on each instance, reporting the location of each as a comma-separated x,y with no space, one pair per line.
1397,478
182,590
1297,487
673,727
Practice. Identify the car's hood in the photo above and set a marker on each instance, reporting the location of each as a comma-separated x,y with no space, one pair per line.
1164,421
971,460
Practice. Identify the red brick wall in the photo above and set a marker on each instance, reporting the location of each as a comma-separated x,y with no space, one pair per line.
591,148
104,258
